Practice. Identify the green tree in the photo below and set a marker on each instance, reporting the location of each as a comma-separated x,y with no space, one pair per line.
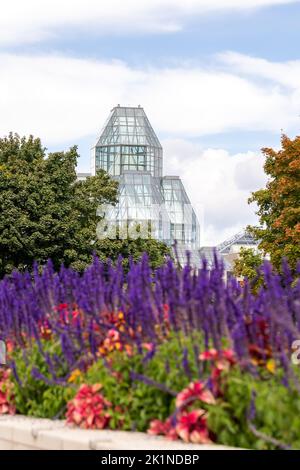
247,263
134,248
44,211
279,204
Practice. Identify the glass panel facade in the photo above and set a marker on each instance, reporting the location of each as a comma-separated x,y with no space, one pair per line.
128,142
140,203
129,151
184,224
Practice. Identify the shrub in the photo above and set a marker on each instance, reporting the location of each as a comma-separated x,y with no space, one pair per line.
257,412
35,391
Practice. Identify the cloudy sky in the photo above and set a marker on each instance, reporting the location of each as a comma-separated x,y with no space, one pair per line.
219,79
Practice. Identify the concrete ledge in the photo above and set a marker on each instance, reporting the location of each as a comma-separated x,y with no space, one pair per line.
25,433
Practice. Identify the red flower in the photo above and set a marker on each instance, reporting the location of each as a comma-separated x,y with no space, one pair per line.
166,310
68,314
45,329
195,391
229,355
214,355
163,428
192,427
209,355
261,350
222,361
111,343
6,393
148,346
9,346
89,408
158,427
62,307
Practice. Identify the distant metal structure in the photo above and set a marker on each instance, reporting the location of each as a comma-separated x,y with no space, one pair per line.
83,176
242,238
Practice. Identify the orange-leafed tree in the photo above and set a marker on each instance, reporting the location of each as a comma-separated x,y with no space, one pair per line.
279,203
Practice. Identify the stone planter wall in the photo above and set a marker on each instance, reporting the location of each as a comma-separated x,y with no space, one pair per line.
23,433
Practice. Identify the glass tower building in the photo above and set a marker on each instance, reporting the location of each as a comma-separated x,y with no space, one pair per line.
129,150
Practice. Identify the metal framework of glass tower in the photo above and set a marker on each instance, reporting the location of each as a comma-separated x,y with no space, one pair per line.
129,150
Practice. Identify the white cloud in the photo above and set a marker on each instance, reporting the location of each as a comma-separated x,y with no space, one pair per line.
286,74
219,185
62,99
36,20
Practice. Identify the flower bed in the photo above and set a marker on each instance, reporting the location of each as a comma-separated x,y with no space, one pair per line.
173,352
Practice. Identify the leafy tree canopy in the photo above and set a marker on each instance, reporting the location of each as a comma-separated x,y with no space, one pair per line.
46,213
133,247
279,204
247,263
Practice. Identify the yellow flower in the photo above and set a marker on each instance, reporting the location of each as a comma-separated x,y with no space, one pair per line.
102,351
121,316
271,366
74,375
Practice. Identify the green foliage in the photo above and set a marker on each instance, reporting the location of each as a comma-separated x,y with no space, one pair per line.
247,264
132,246
44,211
36,397
279,204
136,401
277,412
141,402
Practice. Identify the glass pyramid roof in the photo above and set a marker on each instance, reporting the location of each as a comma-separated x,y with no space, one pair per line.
128,126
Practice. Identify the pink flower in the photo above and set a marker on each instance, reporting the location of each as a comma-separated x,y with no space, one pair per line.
188,426
89,408
158,427
114,335
45,329
166,310
148,346
209,355
163,428
9,346
111,343
192,427
68,313
195,391
6,393
214,355
229,355
222,360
